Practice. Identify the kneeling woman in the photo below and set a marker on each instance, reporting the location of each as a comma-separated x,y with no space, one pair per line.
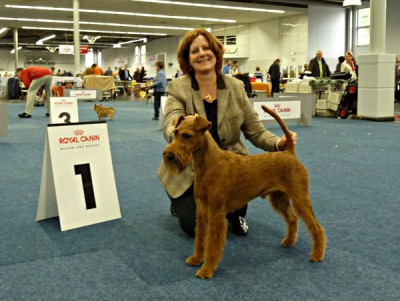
205,91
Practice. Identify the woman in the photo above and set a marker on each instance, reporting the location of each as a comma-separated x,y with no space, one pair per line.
204,90
349,65
159,85
275,74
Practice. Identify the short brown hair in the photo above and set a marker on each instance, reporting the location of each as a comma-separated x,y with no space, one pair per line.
160,64
184,48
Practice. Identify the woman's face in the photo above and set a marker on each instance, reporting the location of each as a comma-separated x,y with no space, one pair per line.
349,57
201,58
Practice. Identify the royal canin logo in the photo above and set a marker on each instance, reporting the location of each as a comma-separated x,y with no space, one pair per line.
279,109
78,138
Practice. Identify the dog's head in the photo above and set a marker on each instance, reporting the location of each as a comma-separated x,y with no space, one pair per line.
96,107
188,138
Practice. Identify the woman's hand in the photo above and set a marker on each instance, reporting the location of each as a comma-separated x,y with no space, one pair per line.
282,141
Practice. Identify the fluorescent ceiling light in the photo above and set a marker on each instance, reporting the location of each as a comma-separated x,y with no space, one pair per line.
121,13
40,42
263,10
51,49
2,30
98,31
13,50
96,23
133,41
352,3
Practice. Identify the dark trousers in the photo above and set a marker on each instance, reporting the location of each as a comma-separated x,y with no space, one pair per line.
275,86
157,103
185,209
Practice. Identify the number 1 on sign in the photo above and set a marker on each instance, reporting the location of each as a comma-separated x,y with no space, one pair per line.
84,171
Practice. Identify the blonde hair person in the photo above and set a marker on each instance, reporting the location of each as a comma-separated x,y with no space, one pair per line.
204,90
349,65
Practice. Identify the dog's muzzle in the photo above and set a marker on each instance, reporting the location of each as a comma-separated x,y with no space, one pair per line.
170,156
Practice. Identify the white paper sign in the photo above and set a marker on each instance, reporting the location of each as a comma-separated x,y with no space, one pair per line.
83,94
78,184
66,49
285,109
63,110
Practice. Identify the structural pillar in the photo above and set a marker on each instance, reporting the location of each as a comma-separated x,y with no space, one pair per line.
16,62
77,46
376,71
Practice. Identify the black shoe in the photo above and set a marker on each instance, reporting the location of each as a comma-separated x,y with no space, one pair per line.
155,118
47,114
240,227
24,115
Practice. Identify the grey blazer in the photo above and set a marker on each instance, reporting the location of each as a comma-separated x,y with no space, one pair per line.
235,115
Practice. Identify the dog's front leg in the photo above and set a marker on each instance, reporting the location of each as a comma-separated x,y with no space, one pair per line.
200,232
214,243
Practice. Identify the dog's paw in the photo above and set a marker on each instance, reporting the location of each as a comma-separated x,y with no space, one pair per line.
193,260
204,273
317,256
288,243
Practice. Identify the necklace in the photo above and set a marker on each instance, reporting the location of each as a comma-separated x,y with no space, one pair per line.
208,98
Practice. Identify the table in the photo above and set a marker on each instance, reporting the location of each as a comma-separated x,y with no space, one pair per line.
261,87
76,81
103,83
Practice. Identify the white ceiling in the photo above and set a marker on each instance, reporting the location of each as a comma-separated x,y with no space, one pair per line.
28,37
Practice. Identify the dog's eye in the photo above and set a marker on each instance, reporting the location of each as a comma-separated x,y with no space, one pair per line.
186,136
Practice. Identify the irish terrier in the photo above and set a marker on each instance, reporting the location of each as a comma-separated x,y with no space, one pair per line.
225,181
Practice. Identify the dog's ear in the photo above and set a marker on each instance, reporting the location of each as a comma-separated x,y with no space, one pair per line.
201,124
177,121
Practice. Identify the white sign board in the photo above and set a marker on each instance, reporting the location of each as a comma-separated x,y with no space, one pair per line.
66,49
83,94
78,182
63,110
121,62
285,109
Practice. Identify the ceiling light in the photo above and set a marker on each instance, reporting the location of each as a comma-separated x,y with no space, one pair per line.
117,46
352,3
99,31
13,50
91,39
3,30
122,13
51,49
263,10
40,42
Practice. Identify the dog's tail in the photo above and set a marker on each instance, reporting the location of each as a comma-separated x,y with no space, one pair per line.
289,139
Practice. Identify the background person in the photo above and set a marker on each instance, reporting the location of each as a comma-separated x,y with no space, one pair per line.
258,74
274,72
349,65
159,85
318,66
96,70
339,64
34,78
221,99
227,67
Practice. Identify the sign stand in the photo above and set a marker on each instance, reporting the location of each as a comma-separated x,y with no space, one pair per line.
78,182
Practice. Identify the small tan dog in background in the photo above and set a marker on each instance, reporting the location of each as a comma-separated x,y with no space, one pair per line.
104,111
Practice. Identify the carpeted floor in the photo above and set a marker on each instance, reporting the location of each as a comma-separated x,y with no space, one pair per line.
354,168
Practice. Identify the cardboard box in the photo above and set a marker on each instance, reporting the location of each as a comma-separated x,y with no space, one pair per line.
322,104
335,97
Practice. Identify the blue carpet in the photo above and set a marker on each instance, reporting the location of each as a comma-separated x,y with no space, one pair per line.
353,166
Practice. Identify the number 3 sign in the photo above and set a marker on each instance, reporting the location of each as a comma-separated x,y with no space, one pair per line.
78,183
